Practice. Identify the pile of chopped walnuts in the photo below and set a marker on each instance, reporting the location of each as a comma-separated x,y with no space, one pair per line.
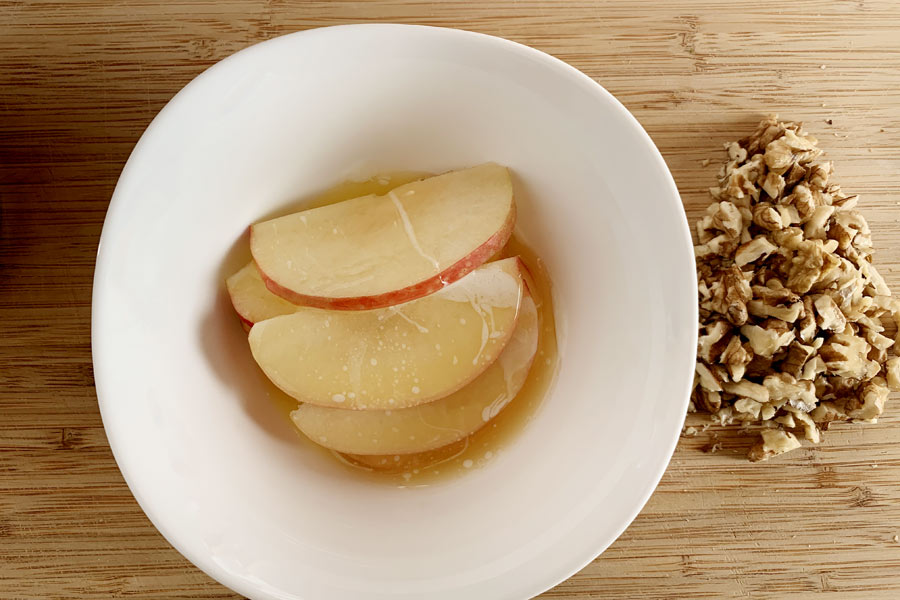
793,314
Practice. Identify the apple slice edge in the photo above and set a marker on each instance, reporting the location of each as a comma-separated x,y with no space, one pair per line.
453,273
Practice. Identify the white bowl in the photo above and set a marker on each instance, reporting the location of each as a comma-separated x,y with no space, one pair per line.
217,468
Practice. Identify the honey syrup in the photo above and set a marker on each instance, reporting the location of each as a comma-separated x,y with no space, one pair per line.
434,466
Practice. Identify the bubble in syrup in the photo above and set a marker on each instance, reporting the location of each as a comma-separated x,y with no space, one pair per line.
468,463
415,389
338,398
373,362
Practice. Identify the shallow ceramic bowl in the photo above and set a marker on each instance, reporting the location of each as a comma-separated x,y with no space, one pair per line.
218,469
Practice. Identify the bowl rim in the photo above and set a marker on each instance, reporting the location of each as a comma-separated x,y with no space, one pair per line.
538,585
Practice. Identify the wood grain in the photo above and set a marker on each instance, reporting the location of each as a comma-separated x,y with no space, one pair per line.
80,80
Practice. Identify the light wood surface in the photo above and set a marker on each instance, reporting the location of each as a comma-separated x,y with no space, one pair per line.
79,81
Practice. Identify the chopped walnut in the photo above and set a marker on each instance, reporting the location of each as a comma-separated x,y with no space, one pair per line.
768,411
708,379
706,399
806,326
736,357
825,413
892,368
869,403
759,308
845,356
765,342
829,315
747,390
793,311
785,388
766,216
813,368
758,247
778,156
773,443
710,343
748,406
810,431
815,228
797,356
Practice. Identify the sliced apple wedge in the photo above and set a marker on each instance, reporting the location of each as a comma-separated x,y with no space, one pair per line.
437,423
398,356
252,301
377,251
406,463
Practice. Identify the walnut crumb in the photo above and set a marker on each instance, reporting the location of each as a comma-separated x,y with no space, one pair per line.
794,316
713,447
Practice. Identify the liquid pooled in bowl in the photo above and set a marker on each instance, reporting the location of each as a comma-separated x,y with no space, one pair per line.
521,362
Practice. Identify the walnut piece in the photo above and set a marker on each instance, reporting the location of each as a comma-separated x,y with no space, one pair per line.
794,314
773,443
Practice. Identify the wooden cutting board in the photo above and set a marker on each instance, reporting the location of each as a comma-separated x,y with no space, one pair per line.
80,80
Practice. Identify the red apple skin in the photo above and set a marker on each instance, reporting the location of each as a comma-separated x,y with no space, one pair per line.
454,272
246,321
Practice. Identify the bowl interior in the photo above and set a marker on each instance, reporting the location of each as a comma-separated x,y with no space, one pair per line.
215,465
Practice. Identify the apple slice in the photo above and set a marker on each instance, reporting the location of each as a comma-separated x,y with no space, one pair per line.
252,301
398,356
377,251
406,463
437,423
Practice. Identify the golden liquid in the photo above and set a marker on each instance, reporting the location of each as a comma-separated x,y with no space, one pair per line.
433,466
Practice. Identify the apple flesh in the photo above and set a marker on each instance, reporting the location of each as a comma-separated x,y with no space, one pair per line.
394,357
377,251
252,301
406,463
437,423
